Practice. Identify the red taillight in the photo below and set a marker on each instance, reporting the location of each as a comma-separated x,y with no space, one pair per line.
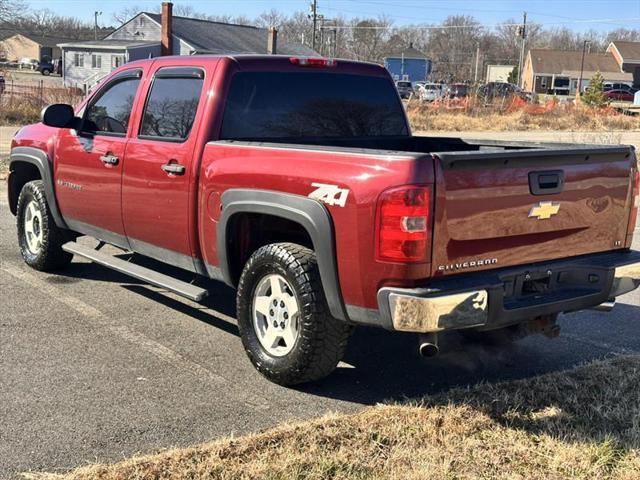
634,208
313,61
404,223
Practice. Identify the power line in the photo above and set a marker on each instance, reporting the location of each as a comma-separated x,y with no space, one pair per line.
478,25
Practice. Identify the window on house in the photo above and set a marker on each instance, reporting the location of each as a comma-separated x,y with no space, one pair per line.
117,61
172,104
78,59
96,61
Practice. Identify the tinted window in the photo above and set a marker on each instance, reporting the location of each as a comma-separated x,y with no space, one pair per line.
171,107
111,111
263,105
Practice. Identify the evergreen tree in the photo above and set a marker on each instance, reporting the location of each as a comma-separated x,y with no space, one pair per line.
593,95
513,76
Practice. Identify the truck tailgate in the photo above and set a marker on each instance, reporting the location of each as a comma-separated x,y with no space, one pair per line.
509,207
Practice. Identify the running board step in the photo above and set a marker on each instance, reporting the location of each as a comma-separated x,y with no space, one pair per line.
147,275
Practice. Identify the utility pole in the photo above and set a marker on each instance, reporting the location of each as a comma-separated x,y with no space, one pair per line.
314,16
584,47
475,76
320,18
523,34
328,36
335,42
95,24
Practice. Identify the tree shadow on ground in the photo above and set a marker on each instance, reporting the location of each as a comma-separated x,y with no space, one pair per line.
593,403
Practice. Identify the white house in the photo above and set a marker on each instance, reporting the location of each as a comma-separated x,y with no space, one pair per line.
150,34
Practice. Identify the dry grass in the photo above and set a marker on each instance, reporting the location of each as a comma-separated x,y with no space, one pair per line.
583,423
25,108
19,112
518,117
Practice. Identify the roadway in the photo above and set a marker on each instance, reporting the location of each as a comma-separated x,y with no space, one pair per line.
97,367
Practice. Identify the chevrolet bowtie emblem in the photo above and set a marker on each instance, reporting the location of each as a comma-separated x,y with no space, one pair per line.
544,210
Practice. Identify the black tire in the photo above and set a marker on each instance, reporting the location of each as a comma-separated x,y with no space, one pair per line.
46,72
49,256
321,339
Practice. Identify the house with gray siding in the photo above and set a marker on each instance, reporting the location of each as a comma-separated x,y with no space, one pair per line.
148,35
85,63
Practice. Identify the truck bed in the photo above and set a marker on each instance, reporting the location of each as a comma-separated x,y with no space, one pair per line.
494,202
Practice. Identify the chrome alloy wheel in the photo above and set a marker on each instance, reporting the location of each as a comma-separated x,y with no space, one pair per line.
33,227
276,318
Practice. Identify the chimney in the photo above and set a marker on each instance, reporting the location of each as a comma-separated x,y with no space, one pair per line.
166,39
272,41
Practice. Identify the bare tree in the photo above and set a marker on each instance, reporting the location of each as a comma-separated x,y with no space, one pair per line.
272,18
11,10
125,14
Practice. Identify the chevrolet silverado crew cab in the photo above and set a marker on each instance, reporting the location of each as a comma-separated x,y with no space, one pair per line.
297,181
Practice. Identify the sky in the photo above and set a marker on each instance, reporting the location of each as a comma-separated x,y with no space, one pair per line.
580,15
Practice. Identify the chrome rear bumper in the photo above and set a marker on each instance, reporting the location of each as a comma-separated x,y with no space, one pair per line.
433,314
449,307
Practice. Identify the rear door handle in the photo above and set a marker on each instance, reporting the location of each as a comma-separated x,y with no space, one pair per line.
109,159
173,168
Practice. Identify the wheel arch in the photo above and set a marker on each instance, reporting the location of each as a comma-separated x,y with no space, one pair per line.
310,215
27,164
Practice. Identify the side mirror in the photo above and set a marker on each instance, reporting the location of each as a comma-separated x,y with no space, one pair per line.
59,115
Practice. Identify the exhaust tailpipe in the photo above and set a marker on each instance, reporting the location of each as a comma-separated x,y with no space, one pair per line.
605,306
428,344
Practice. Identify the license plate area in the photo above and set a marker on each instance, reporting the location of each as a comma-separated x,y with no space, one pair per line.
537,287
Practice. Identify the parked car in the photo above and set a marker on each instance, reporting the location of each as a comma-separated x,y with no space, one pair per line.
430,92
619,95
28,63
405,88
46,68
492,91
619,86
300,185
458,90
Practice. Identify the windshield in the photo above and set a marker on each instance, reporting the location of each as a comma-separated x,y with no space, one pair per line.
264,105
404,84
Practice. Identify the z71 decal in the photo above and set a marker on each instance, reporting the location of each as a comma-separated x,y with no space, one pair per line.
330,194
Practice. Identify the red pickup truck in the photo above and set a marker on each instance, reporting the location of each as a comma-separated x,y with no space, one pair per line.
298,182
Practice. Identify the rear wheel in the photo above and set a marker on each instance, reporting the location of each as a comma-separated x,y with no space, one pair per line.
39,239
283,317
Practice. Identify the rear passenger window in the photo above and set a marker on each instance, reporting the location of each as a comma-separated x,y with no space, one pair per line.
172,104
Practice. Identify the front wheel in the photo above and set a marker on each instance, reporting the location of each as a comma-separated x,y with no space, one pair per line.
283,317
39,238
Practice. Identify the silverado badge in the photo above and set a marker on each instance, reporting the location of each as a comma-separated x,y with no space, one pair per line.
544,210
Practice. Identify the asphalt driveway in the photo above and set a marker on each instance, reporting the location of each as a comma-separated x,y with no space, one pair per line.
96,367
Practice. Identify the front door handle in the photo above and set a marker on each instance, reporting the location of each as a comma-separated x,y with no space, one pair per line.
173,168
109,159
